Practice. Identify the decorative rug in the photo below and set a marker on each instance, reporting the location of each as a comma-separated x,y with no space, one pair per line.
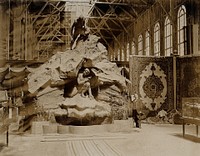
152,81
188,77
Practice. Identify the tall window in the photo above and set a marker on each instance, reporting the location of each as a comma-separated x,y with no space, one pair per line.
128,52
122,55
168,37
147,43
112,56
118,54
181,19
140,45
133,50
157,39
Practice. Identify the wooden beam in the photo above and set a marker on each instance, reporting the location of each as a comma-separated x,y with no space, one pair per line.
113,29
125,18
44,6
132,4
46,19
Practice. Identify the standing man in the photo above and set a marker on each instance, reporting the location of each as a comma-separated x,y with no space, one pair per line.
135,114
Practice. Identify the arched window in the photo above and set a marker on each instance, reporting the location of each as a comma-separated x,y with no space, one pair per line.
157,39
122,55
168,37
112,55
118,55
147,43
140,45
133,49
181,21
128,51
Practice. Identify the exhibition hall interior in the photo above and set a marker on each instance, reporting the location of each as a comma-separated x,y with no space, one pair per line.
99,77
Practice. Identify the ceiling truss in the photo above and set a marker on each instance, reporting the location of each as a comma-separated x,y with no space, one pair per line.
109,18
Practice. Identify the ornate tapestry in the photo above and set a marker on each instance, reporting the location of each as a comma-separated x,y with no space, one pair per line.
152,81
188,77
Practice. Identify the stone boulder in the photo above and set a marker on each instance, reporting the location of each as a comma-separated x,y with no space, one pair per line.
83,111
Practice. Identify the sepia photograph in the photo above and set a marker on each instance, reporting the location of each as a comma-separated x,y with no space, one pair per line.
99,77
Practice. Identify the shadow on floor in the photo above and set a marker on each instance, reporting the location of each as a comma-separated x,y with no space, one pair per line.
189,137
2,145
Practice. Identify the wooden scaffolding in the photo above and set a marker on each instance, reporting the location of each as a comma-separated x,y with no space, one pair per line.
36,28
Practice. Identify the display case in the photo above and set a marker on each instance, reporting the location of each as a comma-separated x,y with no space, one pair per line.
191,112
191,108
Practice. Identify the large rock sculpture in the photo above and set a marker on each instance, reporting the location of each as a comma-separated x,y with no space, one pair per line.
59,77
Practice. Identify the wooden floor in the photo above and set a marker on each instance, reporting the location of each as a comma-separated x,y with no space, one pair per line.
90,148
86,146
151,140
